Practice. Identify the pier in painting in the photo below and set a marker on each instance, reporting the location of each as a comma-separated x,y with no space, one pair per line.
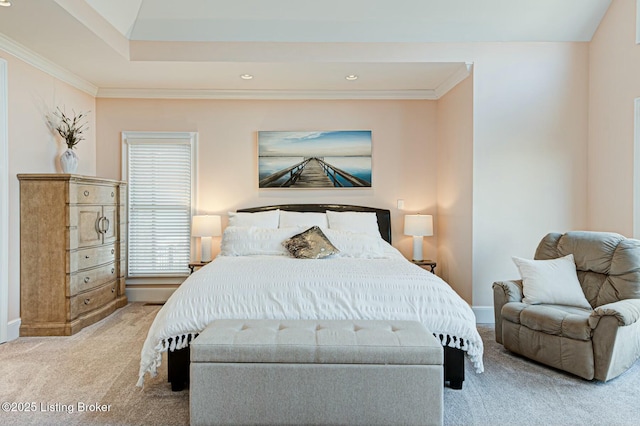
312,172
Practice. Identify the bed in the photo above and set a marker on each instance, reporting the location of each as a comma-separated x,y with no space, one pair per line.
367,279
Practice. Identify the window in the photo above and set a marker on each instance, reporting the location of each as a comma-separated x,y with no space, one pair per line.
159,169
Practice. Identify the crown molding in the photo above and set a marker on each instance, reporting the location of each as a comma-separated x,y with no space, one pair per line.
266,94
49,67
463,72
45,65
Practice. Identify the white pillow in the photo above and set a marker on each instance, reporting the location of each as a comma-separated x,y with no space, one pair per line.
356,244
303,219
249,241
552,281
268,219
364,222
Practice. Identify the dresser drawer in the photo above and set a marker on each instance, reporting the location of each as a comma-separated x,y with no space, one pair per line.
93,299
96,194
95,256
91,278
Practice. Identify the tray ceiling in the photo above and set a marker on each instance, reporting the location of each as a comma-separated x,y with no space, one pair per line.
289,46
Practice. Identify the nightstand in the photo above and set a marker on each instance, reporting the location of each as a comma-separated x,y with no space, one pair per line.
193,265
424,264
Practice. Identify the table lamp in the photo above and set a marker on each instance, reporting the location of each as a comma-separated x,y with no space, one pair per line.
205,227
418,226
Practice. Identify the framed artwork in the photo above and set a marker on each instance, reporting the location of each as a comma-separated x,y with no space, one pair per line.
335,159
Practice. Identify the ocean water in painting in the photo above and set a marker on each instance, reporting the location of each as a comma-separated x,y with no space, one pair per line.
359,167
270,165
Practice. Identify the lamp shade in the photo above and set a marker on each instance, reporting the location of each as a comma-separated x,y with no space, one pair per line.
418,225
206,226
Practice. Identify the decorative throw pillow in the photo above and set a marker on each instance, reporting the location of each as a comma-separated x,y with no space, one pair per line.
267,219
310,244
552,281
366,222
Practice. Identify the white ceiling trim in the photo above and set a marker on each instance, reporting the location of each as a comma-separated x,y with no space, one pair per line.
428,94
452,81
45,65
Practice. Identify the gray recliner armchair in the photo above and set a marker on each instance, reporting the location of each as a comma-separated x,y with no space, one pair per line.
602,342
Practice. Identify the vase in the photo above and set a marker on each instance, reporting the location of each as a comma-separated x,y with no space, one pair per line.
69,161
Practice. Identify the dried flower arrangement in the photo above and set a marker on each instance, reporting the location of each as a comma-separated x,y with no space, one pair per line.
70,129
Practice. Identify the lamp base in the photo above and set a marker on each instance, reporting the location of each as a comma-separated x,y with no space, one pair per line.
205,243
417,248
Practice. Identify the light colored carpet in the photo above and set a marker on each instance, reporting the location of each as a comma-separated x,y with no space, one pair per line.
516,391
99,366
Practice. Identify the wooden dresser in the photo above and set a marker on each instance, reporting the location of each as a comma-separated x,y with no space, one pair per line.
72,252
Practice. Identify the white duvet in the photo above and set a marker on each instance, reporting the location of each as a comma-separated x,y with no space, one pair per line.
281,287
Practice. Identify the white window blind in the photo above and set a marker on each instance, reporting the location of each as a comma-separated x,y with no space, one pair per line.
160,182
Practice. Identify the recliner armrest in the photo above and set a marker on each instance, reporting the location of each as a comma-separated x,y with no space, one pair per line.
504,292
627,312
512,290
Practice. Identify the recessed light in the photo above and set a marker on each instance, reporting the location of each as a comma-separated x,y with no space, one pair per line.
5,3
246,76
351,77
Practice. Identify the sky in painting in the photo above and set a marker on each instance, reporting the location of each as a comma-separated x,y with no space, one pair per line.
315,144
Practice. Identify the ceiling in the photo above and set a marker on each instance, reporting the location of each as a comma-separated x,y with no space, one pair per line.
292,48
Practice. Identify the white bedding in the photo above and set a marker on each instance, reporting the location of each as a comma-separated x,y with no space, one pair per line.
281,287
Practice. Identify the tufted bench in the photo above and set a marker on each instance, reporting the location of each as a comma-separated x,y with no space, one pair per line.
316,372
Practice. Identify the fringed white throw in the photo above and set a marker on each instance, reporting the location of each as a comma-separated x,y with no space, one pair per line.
280,287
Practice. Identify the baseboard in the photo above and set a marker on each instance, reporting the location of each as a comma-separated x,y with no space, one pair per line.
149,294
13,329
484,314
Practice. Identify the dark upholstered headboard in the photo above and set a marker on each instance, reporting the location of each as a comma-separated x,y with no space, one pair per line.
384,216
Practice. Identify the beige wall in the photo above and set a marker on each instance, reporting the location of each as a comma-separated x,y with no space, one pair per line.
455,187
32,146
403,132
614,83
530,123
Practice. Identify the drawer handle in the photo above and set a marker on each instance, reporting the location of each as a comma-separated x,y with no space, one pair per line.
86,256
87,301
86,193
86,279
112,251
112,195
113,270
113,289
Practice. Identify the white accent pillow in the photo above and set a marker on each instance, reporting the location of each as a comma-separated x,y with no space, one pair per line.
268,219
356,244
552,281
303,219
365,222
251,240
